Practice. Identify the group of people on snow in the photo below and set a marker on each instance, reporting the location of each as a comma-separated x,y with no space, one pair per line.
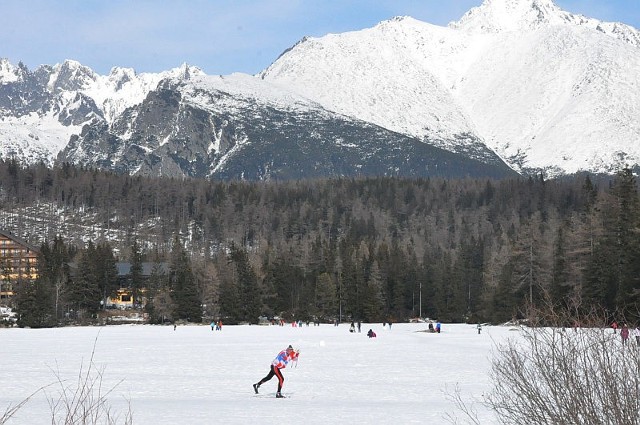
352,328
625,332
290,354
437,328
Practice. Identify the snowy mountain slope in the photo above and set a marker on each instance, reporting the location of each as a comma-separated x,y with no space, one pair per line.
240,127
184,123
41,110
123,88
545,89
560,98
33,138
377,76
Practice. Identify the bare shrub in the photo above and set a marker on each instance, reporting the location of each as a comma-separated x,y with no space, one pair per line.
12,410
570,371
84,403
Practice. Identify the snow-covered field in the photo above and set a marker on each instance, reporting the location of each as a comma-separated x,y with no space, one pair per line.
194,375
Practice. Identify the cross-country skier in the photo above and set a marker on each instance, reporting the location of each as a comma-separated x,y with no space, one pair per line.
280,362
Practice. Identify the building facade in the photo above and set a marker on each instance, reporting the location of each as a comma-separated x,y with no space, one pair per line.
18,263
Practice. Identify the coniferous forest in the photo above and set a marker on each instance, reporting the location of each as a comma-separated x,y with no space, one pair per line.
370,249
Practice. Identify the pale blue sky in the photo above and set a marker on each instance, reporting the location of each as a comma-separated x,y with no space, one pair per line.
219,36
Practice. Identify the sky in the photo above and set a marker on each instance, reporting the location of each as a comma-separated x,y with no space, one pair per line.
218,36
194,375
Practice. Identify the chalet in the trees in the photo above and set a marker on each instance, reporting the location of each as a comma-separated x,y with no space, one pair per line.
129,293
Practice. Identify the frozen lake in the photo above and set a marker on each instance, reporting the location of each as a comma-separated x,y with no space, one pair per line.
194,375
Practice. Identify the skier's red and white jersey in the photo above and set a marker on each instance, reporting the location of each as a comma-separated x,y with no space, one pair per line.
283,358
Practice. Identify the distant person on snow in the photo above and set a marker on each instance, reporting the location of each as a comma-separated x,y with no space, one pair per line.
624,333
371,333
280,362
352,328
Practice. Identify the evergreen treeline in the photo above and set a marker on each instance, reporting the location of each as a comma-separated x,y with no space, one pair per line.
373,249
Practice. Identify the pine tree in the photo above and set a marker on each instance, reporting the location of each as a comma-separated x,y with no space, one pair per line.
505,303
613,276
468,280
326,302
35,305
396,284
560,289
105,271
229,299
573,259
158,288
39,299
531,260
208,283
163,306
185,293
249,291
351,282
374,301
135,272
627,231
84,292
58,273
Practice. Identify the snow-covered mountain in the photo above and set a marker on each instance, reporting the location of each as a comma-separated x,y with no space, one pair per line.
543,88
185,123
540,87
240,127
41,110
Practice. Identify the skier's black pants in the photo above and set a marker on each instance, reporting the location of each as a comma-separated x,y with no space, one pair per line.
273,372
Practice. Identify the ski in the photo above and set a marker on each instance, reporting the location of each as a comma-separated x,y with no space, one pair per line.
288,395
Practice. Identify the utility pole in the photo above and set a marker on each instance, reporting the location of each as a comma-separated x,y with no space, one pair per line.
420,300
339,281
340,299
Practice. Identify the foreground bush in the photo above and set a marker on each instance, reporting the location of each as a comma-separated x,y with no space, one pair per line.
84,402
552,374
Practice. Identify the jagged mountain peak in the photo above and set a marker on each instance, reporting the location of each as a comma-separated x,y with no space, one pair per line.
404,24
71,75
185,72
8,72
513,15
398,19
120,76
499,16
